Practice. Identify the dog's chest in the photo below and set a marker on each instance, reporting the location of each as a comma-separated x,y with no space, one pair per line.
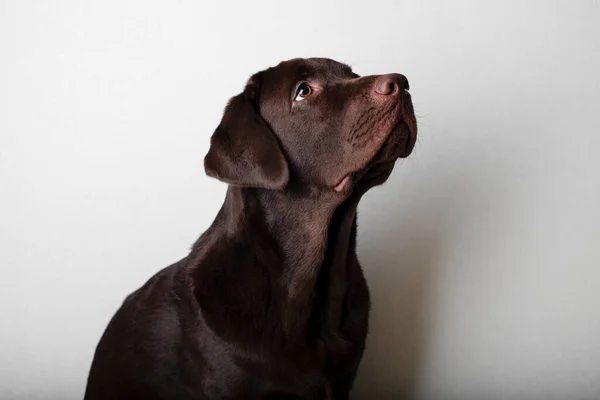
305,373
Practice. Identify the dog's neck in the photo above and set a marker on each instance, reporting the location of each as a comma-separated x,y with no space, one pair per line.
311,236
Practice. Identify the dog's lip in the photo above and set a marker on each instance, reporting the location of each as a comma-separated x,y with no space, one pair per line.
407,119
344,184
409,122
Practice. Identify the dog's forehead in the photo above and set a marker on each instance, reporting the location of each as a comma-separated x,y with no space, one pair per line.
322,66
309,68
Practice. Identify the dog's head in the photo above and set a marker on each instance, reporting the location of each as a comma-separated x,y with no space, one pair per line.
313,124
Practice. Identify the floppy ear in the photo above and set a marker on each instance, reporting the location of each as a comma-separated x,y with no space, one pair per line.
243,149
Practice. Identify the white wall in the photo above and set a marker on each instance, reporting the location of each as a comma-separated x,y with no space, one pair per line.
482,251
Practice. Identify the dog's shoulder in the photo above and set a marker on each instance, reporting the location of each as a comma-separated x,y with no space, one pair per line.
152,314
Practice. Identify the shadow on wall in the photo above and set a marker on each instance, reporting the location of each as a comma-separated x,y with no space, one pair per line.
401,251
401,281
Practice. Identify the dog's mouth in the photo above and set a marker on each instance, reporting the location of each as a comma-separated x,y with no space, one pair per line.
406,128
399,144
401,141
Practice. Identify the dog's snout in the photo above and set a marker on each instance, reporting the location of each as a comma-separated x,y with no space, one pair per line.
390,84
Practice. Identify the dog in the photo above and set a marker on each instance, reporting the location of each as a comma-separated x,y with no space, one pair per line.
271,302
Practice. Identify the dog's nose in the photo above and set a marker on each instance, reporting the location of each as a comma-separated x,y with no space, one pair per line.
390,84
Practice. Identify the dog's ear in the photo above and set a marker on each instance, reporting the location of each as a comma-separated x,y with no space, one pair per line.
244,151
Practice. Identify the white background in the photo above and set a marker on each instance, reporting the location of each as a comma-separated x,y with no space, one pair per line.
482,251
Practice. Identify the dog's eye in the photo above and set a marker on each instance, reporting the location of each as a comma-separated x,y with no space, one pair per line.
302,92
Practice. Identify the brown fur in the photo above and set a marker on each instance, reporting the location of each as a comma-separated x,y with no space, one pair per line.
271,302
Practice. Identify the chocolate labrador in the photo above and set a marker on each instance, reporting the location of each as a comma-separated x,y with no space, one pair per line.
271,302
